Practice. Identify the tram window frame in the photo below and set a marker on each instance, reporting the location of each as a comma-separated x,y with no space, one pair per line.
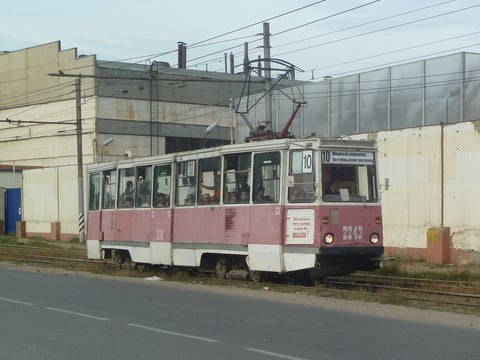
348,183
94,192
186,183
267,170
143,186
209,178
126,199
162,192
109,190
236,176
302,177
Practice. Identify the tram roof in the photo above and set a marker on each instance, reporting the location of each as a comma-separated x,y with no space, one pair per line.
275,144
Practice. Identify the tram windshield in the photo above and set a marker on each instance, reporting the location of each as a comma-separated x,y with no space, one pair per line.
349,176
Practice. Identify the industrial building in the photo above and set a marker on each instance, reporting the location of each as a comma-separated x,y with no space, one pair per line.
424,116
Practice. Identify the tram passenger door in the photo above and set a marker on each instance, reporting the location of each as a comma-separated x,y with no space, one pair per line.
265,247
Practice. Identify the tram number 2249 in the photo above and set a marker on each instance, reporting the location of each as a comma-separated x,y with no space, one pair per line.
351,232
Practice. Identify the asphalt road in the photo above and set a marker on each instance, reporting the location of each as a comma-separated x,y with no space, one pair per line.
51,316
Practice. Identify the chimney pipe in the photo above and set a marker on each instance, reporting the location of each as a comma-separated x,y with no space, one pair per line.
182,55
245,58
259,66
232,65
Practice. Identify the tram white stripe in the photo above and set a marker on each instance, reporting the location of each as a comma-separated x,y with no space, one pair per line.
173,333
16,301
282,356
78,314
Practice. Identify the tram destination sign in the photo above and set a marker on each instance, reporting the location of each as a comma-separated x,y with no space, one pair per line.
347,157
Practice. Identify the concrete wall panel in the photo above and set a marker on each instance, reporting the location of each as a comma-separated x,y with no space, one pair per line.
50,196
412,160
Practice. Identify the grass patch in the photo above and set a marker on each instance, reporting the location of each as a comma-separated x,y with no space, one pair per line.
421,269
39,242
390,269
451,275
8,240
32,241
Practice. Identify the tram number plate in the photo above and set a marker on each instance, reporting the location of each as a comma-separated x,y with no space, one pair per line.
351,232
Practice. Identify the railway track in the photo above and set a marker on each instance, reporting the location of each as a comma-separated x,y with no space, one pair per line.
462,296
437,293
74,259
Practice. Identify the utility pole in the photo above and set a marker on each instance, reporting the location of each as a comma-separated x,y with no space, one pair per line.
268,79
81,214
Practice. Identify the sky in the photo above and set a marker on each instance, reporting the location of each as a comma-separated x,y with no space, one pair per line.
321,38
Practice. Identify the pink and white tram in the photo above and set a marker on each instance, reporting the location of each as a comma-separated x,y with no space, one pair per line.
278,206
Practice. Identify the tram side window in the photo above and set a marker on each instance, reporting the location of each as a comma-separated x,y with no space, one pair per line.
186,186
162,179
109,189
301,184
266,177
144,187
94,193
209,175
237,177
126,189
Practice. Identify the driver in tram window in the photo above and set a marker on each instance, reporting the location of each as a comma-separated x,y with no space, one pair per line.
331,189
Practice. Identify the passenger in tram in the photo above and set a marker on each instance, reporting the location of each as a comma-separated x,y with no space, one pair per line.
243,185
161,201
215,187
232,197
206,199
189,200
128,195
214,199
147,202
261,197
244,197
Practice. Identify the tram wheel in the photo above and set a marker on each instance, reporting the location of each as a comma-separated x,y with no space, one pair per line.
221,268
118,259
255,276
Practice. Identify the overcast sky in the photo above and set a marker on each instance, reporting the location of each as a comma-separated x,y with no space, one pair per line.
332,37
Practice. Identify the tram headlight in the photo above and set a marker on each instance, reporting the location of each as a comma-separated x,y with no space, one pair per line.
328,238
374,238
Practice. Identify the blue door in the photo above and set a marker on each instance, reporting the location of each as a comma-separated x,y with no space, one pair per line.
14,209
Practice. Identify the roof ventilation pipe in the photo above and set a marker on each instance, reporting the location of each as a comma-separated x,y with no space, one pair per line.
182,55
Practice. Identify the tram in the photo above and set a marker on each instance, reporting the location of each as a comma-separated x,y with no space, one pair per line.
284,206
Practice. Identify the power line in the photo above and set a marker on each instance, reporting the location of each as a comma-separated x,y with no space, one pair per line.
290,29
395,51
362,24
196,44
339,30
379,30
327,17
260,22
405,60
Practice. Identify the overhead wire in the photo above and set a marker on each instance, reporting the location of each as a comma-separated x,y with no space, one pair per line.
343,29
396,51
381,29
202,43
290,29
150,57
359,25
